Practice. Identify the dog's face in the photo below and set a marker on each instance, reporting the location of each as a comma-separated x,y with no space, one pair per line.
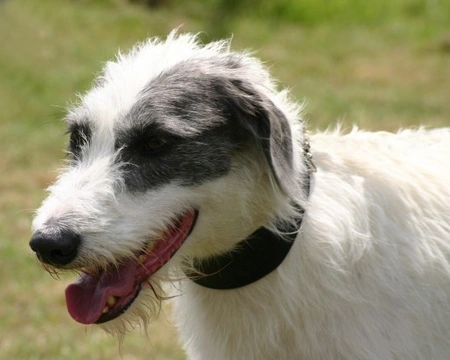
171,155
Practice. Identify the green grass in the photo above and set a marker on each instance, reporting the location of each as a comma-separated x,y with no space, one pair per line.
380,65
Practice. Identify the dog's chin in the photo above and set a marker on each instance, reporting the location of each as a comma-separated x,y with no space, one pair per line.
142,310
120,294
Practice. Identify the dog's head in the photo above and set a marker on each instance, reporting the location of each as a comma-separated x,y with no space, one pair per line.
178,152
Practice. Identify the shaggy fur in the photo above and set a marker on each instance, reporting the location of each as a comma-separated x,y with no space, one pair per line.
368,276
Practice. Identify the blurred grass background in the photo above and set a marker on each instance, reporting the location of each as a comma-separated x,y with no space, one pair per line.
378,64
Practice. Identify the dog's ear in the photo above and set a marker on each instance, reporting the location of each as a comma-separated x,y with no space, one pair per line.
260,117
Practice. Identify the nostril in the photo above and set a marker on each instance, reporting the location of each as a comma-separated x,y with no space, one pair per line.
56,247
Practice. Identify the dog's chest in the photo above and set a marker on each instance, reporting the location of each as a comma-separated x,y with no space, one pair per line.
231,324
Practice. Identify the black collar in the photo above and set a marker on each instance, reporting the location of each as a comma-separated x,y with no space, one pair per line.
251,259
254,257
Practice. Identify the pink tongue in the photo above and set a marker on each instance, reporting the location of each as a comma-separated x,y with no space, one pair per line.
87,298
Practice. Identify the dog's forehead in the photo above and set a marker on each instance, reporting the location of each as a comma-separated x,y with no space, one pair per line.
184,100
156,82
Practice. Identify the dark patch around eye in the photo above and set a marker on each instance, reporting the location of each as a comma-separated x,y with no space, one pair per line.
80,135
144,141
186,161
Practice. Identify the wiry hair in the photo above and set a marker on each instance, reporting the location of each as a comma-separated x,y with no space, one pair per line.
368,274
145,87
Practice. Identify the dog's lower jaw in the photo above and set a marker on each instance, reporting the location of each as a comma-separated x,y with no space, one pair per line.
141,312
103,297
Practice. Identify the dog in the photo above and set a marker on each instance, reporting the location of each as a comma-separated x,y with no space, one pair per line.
191,176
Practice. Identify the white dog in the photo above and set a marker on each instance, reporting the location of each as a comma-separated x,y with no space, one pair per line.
188,167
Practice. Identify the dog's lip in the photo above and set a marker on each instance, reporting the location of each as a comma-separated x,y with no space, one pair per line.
102,297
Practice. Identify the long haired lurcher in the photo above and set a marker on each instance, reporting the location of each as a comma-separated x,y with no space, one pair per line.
188,167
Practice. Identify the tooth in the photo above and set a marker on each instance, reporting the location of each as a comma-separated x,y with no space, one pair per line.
105,310
141,258
111,301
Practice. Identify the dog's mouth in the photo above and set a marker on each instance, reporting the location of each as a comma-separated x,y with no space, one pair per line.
105,296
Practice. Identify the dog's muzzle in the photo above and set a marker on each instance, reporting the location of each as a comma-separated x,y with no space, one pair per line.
101,295
57,248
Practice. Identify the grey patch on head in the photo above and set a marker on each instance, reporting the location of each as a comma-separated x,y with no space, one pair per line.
204,115
182,109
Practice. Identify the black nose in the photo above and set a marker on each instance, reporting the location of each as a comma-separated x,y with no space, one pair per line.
56,247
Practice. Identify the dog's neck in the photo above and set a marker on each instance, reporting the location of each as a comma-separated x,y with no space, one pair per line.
250,260
256,256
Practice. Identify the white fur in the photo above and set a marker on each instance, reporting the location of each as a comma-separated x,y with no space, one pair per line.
368,276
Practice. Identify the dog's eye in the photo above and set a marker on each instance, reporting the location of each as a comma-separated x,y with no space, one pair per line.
79,136
75,143
155,144
75,140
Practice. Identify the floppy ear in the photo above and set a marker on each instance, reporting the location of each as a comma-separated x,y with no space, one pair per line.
269,126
